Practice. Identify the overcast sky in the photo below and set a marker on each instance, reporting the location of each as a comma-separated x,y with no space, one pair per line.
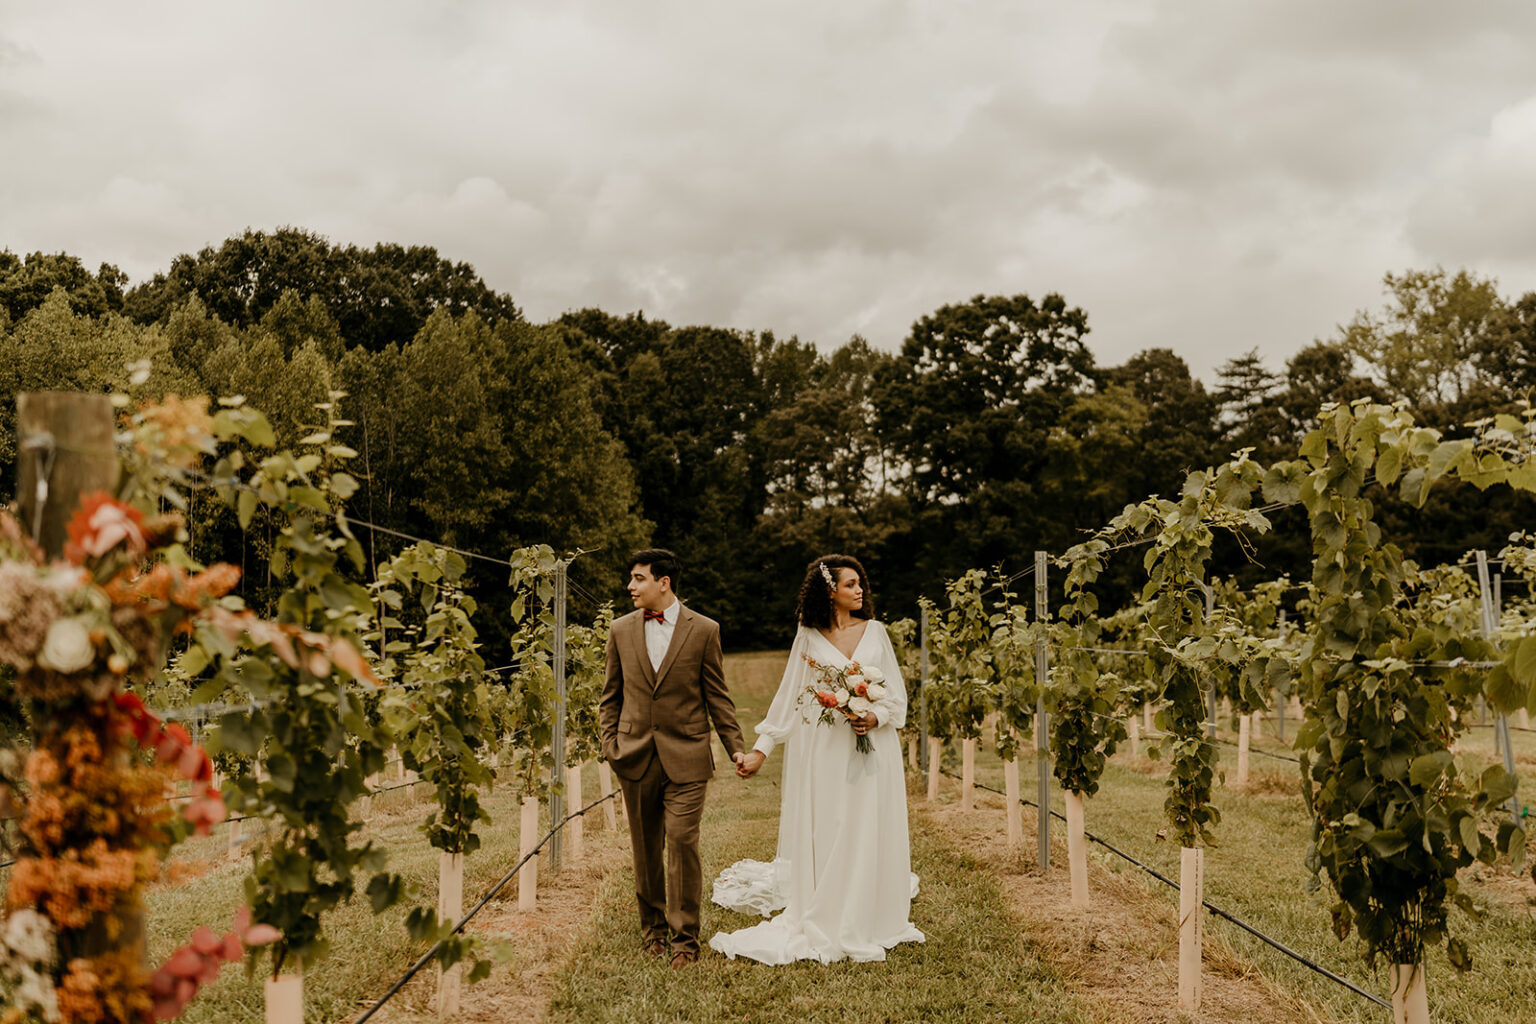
1205,175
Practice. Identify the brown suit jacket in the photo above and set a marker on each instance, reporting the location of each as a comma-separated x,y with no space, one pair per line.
668,710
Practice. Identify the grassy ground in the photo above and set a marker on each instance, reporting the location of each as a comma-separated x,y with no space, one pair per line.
1257,873
975,966
989,956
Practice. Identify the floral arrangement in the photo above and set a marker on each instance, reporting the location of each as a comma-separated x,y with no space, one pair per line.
851,691
89,791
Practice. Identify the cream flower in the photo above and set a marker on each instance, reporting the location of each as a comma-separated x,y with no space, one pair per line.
29,936
875,691
68,647
860,705
842,697
873,674
854,679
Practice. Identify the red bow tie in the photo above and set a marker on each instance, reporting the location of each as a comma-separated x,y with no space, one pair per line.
652,615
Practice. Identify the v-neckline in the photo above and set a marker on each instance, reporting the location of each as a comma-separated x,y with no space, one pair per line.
856,644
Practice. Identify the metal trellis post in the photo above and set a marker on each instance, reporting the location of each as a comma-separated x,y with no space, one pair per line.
1490,633
1281,699
922,688
557,731
1210,613
1042,724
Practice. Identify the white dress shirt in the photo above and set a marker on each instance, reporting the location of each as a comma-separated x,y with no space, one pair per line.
658,635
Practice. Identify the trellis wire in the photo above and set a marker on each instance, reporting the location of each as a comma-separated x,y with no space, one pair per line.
458,927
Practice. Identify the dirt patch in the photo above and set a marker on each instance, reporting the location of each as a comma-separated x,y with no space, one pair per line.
540,941
1122,956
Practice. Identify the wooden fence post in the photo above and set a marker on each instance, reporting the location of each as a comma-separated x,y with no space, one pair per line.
1077,849
1013,808
66,448
573,795
935,761
1191,914
450,907
968,773
604,787
1410,997
527,839
1244,740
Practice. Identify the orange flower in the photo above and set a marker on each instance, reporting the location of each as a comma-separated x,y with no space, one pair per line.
102,524
828,700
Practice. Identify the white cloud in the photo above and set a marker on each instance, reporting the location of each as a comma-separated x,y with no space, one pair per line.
1200,175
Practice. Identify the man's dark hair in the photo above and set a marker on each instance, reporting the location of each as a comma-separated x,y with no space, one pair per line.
815,606
661,562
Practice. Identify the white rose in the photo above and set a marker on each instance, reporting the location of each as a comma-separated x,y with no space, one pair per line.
63,580
859,705
875,691
873,675
29,935
842,697
68,647
854,679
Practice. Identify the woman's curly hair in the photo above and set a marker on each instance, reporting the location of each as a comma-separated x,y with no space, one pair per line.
815,606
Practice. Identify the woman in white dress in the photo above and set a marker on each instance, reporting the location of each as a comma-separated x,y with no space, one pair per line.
842,873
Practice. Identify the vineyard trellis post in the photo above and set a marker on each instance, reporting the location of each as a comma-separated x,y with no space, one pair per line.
1042,721
557,731
1210,613
922,690
70,439
1281,699
1490,618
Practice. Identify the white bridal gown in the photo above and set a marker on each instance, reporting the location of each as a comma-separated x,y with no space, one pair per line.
843,871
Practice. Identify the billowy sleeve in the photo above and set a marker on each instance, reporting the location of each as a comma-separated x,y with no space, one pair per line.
784,712
892,708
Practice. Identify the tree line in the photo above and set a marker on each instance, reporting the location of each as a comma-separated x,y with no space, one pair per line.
992,431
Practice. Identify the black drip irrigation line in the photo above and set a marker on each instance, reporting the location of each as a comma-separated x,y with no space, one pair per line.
426,957
1298,957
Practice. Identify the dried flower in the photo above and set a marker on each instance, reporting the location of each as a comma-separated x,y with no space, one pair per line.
67,647
28,606
29,937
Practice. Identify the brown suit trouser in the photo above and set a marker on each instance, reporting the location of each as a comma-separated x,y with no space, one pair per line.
669,891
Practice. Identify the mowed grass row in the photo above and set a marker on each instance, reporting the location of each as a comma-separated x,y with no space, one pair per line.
1258,873
975,965
368,952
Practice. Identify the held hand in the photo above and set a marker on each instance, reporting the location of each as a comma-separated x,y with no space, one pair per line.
748,764
863,723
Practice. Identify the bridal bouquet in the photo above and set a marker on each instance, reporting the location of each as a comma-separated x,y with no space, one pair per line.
851,690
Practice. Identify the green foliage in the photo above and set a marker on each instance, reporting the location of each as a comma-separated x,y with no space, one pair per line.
25,282
1013,662
308,725
586,653
529,706
1185,646
1084,703
1396,813
375,296
445,726
962,688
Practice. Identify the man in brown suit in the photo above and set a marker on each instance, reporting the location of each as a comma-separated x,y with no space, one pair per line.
665,682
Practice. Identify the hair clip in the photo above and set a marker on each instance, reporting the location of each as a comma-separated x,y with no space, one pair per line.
826,574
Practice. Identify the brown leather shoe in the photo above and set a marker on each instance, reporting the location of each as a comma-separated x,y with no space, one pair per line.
656,947
683,959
